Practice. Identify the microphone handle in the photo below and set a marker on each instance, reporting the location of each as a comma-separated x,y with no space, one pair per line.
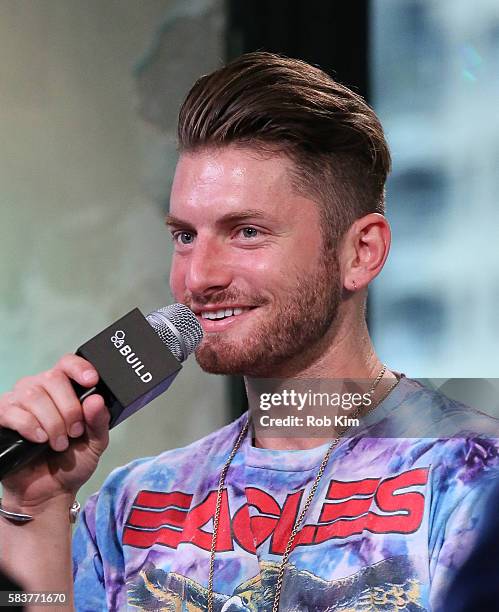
16,451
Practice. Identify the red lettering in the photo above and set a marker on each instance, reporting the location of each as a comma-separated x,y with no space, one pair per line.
145,525
146,539
343,490
338,491
408,506
153,499
285,523
250,532
340,529
372,504
154,520
202,514
242,531
350,508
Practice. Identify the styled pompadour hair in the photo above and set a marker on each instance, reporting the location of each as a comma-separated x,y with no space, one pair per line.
275,104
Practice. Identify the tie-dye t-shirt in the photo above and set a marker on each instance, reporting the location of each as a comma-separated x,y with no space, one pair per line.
396,511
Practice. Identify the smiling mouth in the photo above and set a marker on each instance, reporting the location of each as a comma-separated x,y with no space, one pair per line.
224,313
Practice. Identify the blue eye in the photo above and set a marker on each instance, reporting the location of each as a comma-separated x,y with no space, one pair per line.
183,237
249,232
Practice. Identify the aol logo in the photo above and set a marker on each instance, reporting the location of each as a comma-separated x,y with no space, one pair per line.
118,339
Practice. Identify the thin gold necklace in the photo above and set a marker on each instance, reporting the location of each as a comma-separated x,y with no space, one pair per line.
299,520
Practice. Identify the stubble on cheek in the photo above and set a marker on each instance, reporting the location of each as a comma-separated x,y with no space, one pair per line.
300,316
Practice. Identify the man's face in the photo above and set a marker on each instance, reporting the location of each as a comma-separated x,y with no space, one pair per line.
247,245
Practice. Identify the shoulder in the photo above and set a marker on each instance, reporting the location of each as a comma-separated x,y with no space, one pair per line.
427,410
464,441
175,469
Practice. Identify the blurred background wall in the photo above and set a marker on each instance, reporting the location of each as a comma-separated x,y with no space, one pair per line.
435,77
89,92
84,184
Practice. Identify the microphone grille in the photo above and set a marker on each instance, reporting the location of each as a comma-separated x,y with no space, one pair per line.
178,327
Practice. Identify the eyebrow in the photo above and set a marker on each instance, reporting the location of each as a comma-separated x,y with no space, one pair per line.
228,219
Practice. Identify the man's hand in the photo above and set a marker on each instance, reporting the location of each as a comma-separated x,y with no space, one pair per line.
45,408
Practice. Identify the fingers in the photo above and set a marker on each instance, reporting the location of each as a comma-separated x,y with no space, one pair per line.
15,417
63,396
78,369
35,400
97,419
45,407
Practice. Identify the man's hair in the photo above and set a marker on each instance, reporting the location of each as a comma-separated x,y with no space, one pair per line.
275,104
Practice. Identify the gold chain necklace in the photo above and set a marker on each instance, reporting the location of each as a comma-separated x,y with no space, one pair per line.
299,520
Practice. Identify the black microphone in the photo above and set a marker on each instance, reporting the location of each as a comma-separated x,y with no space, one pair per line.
136,358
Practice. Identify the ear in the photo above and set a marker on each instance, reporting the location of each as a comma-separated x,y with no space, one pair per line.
364,250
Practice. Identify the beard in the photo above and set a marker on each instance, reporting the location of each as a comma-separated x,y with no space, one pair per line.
289,337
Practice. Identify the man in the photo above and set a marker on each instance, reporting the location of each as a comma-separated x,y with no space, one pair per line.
277,219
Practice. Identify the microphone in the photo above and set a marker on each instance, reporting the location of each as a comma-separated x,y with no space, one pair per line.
137,359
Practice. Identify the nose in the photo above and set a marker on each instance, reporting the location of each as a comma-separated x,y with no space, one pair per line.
208,268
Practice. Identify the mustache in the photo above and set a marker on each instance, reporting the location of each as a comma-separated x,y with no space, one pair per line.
225,297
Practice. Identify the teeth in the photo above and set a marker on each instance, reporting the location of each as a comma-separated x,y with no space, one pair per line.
222,313
209,315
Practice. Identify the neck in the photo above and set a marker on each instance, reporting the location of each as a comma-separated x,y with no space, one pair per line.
344,352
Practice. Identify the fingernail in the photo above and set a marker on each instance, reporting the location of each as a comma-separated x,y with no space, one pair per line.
76,429
88,375
41,435
61,443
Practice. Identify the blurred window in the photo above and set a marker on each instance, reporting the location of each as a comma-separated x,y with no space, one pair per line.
435,87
